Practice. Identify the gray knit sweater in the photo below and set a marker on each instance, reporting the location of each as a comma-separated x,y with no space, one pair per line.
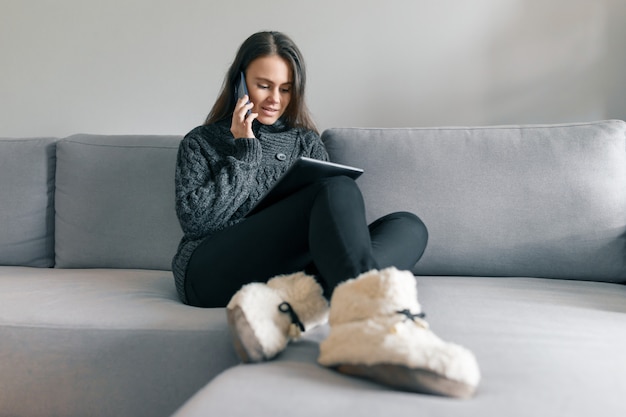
218,179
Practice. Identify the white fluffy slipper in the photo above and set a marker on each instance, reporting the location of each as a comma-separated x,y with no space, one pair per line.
377,332
264,317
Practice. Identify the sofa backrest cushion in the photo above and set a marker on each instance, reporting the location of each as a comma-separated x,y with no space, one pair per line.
115,202
536,201
27,202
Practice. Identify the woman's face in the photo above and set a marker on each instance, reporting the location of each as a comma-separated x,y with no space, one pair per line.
269,80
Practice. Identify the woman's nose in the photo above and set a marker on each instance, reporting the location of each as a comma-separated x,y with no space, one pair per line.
275,96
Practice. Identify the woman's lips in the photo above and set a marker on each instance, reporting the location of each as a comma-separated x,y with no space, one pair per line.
269,111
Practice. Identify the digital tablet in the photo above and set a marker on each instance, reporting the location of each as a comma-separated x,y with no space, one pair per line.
303,172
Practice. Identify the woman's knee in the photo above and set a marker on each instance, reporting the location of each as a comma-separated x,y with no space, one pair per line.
415,223
340,191
410,224
340,183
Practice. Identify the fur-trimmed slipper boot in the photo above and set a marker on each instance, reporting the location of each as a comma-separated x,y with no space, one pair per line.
263,318
378,332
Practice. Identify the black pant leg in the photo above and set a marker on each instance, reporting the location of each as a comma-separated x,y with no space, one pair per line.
321,228
322,224
398,239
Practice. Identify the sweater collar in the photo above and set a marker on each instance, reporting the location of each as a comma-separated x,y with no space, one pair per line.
277,127
257,127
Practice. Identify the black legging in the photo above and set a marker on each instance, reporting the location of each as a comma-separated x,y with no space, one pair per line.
320,229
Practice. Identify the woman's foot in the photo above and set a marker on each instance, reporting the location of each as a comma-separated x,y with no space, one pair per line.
263,318
378,332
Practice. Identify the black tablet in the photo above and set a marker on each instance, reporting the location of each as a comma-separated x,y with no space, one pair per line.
303,172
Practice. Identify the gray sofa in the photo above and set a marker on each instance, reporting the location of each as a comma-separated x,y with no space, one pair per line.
526,266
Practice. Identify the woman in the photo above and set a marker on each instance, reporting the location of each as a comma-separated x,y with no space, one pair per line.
276,269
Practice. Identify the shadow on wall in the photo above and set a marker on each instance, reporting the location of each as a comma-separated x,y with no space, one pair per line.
552,60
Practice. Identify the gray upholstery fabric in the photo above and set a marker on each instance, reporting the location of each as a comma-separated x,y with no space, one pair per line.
115,202
99,342
547,348
538,201
517,201
26,202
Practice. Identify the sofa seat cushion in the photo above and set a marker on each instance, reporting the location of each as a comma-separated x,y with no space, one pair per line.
545,348
67,336
537,201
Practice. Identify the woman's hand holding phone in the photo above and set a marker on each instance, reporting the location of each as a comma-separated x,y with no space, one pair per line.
241,125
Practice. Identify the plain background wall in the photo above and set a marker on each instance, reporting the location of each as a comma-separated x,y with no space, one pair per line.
155,66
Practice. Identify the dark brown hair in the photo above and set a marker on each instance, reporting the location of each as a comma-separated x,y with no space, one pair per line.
259,45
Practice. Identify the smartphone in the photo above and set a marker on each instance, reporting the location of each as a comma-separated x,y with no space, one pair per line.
242,90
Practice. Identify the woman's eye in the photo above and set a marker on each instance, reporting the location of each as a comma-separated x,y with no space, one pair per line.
286,90
264,87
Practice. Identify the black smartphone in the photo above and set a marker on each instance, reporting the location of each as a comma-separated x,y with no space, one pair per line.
242,90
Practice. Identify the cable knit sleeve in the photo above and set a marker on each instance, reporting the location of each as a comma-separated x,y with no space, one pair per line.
316,147
214,176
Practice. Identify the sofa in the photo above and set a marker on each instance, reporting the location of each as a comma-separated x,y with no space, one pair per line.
526,266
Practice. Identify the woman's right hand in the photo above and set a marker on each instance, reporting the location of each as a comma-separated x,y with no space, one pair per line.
241,125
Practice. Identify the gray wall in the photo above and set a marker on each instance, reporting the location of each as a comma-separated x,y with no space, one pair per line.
155,66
